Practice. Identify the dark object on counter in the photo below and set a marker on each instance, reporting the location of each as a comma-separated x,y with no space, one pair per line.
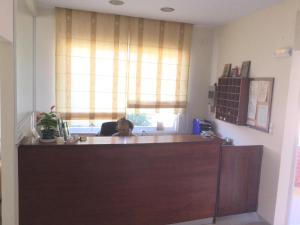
206,125
108,129
227,141
201,125
83,138
196,127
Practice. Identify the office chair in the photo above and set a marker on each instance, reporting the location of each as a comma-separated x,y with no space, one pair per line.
108,129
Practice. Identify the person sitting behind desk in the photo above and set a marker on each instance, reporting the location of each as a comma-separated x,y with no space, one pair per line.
124,128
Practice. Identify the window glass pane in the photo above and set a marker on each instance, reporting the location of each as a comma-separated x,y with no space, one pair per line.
149,118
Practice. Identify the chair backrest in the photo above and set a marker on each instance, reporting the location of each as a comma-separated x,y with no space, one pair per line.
108,129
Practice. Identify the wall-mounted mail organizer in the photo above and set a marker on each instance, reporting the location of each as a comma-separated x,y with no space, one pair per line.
232,99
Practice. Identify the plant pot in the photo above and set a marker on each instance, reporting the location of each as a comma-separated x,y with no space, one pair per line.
48,134
47,140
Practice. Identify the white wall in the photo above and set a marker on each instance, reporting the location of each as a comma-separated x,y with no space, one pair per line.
24,47
24,61
9,209
6,20
290,143
9,162
16,72
199,71
290,138
45,60
254,38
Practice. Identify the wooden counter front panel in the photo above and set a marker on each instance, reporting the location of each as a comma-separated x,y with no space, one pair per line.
153,184
240,176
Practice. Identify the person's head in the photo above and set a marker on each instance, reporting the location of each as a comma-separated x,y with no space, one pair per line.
124,127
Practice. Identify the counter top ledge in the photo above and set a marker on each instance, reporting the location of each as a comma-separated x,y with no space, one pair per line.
134,140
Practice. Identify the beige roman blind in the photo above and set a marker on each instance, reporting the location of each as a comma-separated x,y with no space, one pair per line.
108,63
159,64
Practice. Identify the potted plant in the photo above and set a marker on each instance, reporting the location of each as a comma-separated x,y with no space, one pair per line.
48,125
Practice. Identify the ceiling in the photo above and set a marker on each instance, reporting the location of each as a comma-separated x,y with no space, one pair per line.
200,12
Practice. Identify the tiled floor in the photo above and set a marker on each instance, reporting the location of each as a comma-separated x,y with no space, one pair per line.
295,216
242,219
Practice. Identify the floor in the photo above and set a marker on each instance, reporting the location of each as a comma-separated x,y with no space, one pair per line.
242,219
295,204
295,216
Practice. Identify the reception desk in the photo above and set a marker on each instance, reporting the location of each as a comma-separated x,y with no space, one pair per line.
147,180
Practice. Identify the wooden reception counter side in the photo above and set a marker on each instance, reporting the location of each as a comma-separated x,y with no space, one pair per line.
147,180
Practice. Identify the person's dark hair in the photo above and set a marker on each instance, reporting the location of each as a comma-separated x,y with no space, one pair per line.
124,121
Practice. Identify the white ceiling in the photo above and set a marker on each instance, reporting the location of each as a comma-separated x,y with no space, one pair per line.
200,12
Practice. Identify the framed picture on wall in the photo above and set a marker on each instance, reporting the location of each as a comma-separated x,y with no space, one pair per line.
260,103
245,68
226,70
234,72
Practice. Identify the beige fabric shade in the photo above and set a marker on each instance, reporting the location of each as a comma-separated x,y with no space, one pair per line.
108,63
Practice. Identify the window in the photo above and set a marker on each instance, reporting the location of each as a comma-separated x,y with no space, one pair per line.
144,124
151,122
108,66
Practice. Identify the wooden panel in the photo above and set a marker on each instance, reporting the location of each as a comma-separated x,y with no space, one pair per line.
134,184
240,175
